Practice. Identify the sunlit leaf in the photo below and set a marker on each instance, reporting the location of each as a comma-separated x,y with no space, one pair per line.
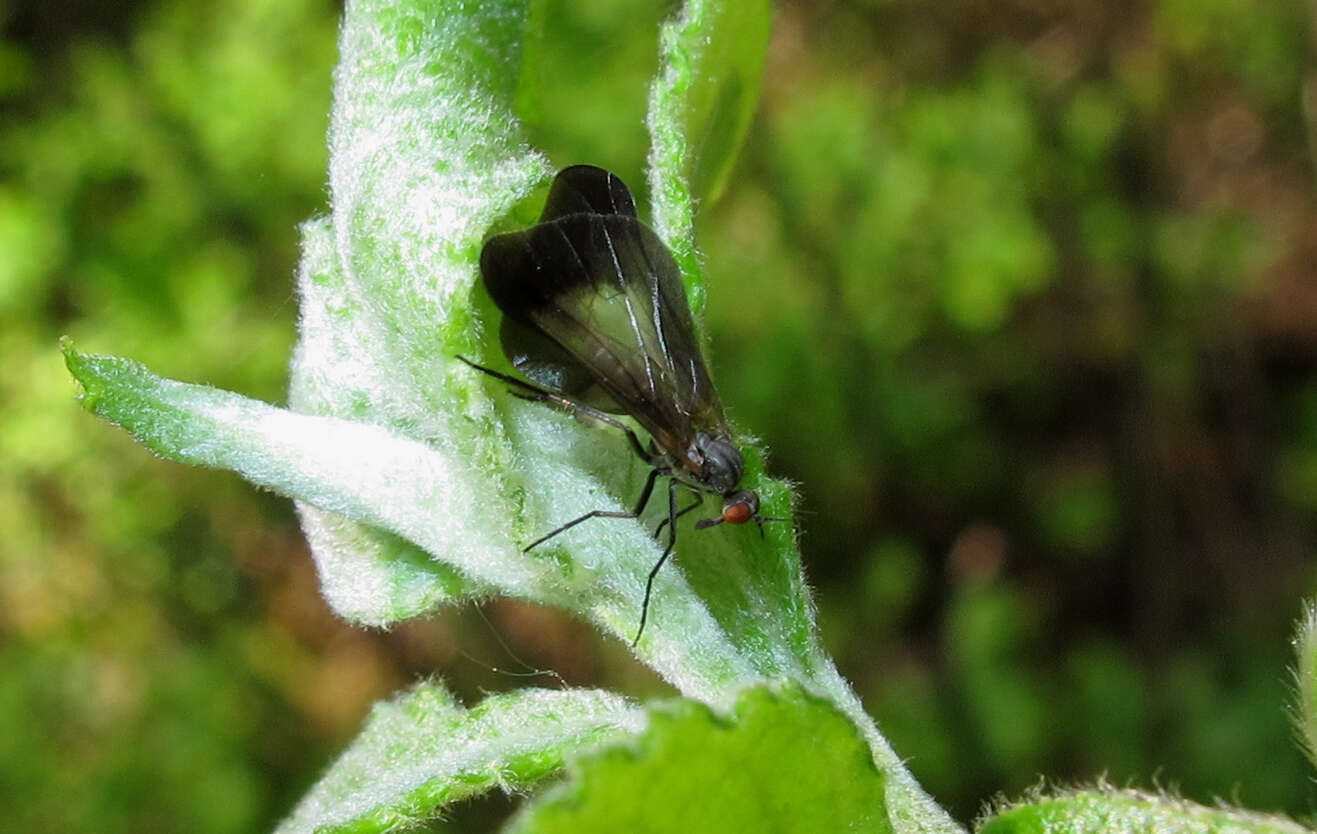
1110,811
700,104
421,752
782,762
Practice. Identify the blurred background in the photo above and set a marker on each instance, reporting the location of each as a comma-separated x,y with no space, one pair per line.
1023,295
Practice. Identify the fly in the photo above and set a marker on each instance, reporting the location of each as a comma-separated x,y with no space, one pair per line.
596,318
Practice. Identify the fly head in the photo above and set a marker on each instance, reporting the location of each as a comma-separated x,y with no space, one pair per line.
719,461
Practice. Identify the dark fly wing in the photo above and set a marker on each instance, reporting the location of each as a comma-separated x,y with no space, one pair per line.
540,360
580,189
585,189
606,289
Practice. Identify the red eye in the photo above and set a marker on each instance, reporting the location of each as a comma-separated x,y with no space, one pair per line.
738,513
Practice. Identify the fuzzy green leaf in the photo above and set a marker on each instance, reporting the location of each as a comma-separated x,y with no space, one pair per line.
700,106
368,575
782,761
425,158
355,469
1305,678
422,752
1109,811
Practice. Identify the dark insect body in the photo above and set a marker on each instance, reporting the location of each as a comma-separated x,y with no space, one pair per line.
595,316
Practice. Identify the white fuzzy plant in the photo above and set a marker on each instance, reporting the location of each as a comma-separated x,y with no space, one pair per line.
417,479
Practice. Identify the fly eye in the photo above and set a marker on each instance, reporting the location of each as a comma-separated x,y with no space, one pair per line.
740,507
737,513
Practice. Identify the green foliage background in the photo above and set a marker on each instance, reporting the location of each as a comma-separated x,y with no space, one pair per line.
1022,294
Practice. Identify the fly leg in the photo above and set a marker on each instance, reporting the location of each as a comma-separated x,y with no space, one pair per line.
667,551
699,499
527,391
640,507
537,394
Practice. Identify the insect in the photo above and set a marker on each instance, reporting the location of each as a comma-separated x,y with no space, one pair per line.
596,318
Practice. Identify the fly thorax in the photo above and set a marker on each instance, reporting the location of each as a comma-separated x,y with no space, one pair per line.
720,462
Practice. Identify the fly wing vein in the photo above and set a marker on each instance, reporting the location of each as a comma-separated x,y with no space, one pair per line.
597,334
632,319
